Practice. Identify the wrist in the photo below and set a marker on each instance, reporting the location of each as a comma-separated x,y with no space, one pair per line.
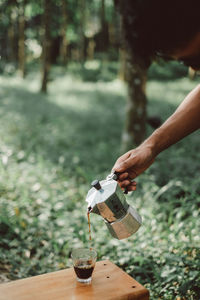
153,143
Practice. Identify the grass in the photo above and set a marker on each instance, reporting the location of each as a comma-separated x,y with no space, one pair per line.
53,146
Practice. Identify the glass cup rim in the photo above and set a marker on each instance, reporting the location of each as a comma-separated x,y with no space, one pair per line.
93,251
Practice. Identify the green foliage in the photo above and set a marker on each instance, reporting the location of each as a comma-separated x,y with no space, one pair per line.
53,146
72,34
167,70
95,70
33,9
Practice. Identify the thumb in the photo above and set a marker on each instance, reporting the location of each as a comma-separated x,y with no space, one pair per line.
124,165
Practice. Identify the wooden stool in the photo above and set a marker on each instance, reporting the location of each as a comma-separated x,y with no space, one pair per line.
108,283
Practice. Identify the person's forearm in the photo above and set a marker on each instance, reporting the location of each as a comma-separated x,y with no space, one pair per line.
185,120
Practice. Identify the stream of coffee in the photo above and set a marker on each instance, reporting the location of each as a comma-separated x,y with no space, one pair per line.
90,237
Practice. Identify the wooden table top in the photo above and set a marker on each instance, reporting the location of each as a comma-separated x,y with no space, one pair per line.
109,282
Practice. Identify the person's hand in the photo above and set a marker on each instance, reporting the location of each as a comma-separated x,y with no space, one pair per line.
132,164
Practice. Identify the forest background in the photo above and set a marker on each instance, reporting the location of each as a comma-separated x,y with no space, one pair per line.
65,115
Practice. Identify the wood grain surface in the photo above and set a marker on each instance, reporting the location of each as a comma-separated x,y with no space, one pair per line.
108,283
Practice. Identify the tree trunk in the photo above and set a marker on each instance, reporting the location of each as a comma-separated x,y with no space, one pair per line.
104,27
11,43
114,28
103,19
90,48
122,66
135,76
21,41
63,46
46,57
12,36
191,73
135,125
82,8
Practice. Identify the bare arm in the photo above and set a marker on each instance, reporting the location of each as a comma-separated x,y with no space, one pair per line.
185,120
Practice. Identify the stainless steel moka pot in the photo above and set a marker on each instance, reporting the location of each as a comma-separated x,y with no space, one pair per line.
107,199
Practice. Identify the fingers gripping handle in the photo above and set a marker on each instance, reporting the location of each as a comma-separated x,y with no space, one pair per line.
115,177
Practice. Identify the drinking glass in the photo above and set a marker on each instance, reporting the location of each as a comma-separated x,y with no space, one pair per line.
84,260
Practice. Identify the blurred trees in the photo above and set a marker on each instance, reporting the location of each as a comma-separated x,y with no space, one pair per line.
64,30
57,32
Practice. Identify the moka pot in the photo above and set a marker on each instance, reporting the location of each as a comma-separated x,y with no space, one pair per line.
107,199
